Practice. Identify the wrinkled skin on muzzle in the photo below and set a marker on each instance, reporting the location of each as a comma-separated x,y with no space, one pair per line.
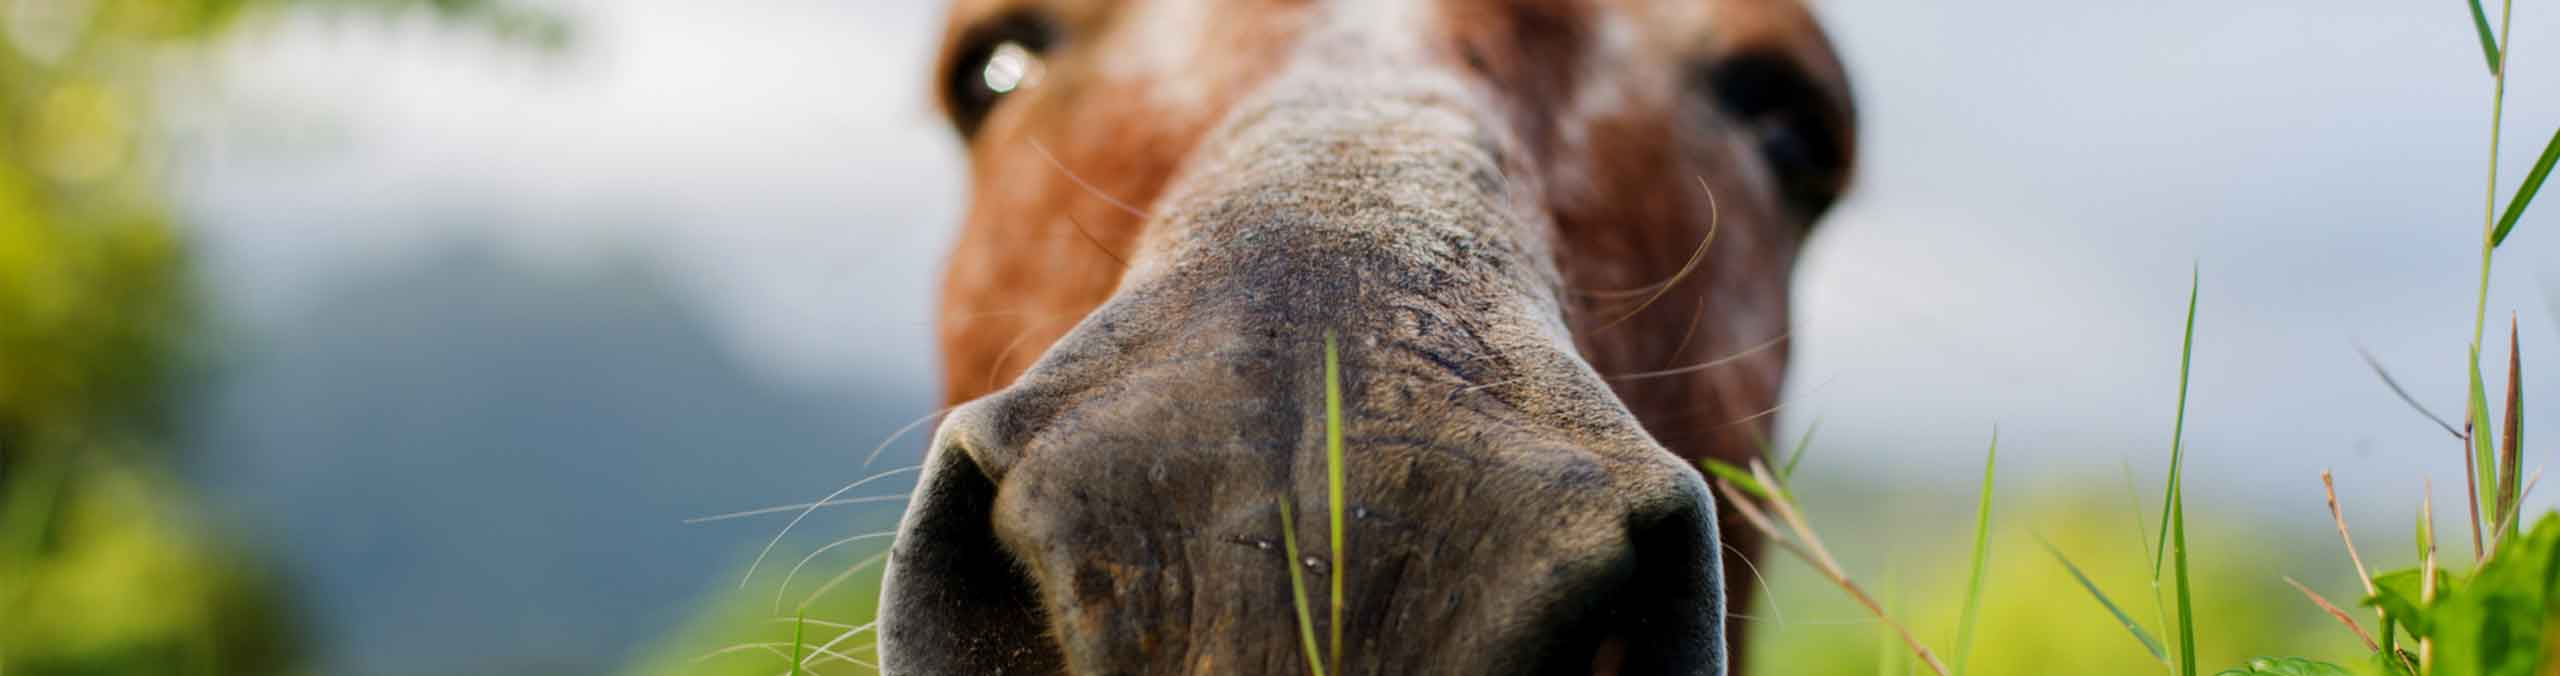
1382,183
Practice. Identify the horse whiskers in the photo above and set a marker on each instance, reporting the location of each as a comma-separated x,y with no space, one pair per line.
868,499
1774,408
1696,317
778,648
1765,588
785,589
1715,223
849,633
1485,386
822,623
893,437
995,367
1095,241
1080,182
771,646
989,314
813,507
1849,622
1692,368
857,567
1701,366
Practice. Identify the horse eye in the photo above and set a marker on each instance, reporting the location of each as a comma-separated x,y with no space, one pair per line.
1802,130
994,60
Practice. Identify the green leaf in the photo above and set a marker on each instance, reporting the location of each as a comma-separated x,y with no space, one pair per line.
2290,666
2483,443
2389,662
2488,38
2400,592
1740,477
2494,624
2148,643
1981,558
2524,193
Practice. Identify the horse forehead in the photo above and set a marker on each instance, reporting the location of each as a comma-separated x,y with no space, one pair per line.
1187,52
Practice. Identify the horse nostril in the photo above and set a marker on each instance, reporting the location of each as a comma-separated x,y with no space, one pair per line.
1662,611
1674,622
953,601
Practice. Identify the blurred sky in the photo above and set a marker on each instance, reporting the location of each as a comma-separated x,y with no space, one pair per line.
2039,179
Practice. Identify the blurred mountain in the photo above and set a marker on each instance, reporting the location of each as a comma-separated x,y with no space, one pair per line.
476,465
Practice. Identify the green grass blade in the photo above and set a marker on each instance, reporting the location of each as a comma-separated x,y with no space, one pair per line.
2186,602
1333,481
2524,193
2177,435
2483,445
1298,588
2174,519
1788,472
1740,477
2488,40
2148,643
799,638
1981,559
2142,538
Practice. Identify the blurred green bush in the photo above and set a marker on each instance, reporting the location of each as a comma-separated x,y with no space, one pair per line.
101,572
103,567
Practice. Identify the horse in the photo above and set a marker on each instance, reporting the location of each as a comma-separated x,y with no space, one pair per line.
1524,263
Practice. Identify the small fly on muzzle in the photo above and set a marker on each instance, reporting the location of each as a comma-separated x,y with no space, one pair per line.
1548,240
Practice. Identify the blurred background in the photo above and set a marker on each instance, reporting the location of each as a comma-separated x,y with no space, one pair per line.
382,337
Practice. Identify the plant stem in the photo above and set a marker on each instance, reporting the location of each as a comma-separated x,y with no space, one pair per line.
2478,414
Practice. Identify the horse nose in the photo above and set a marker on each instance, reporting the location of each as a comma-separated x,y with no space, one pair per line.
953,601
1134,525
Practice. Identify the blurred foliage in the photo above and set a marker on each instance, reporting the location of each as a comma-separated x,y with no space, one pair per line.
102,568
2036,618
2496,622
